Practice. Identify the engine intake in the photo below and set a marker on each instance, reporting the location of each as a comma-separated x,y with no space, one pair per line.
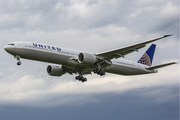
87,58
55,70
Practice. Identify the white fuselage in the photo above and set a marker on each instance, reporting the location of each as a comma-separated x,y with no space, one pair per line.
66,57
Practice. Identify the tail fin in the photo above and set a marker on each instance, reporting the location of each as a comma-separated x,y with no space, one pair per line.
147,58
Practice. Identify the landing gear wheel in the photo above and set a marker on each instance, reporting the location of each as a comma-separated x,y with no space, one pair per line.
84,79
81,78
76,78
99,72
102,73
18,63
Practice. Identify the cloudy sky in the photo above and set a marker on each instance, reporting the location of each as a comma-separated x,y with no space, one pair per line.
27,92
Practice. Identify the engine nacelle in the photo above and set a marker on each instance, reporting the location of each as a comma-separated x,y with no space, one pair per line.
87,58
55,70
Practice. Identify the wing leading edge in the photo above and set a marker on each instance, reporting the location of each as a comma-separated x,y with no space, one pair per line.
117,53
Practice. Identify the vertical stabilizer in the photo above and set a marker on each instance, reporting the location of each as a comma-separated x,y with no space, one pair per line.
147,57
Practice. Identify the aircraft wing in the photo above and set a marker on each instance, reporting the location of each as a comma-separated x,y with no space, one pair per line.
126,50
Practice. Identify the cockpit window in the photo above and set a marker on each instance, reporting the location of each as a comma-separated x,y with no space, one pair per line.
11,44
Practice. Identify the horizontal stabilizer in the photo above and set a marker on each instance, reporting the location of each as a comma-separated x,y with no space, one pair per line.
160,66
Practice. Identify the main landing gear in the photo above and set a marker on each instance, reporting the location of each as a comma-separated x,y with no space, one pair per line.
99,72
80,77
18,58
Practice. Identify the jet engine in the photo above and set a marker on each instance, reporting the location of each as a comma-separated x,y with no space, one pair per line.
55,70
87,58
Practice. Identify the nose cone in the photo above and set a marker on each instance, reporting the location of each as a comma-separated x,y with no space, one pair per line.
8,49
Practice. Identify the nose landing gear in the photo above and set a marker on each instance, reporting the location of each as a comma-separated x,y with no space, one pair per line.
18,58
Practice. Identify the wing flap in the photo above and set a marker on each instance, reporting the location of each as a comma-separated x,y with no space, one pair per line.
160,66
124,51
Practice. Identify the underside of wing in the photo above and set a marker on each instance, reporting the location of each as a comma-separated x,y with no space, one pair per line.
75,71
117,53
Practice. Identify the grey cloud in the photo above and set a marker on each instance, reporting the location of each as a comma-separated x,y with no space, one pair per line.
98,14
91,2
18,14
130,105
30,6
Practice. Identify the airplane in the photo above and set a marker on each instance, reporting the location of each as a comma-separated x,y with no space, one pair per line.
82,63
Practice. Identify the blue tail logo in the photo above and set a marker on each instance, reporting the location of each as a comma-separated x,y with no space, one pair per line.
147,58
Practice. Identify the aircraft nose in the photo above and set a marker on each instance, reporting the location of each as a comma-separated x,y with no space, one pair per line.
7,49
